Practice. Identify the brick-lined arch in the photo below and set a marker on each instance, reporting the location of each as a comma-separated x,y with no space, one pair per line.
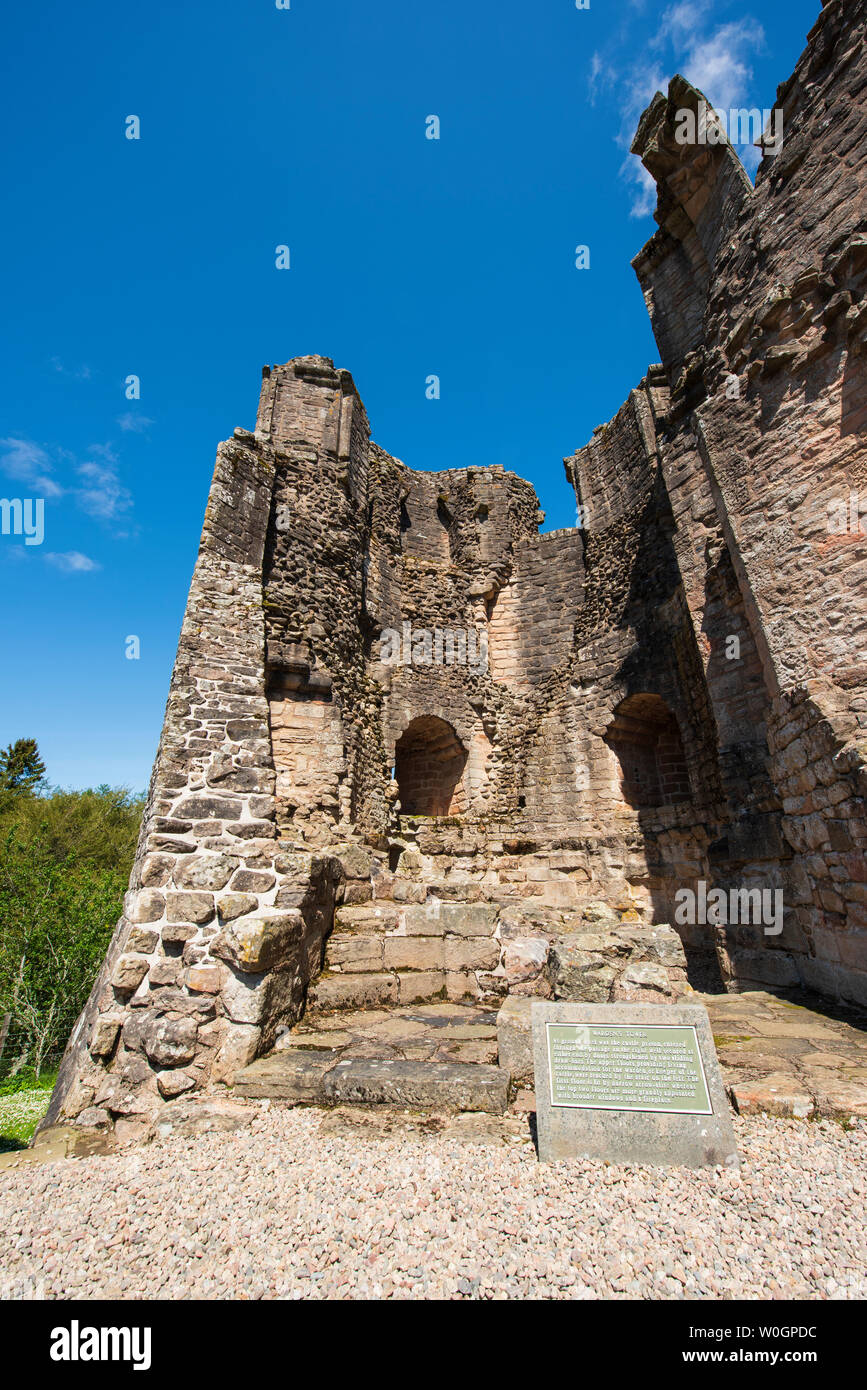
429,761
645,736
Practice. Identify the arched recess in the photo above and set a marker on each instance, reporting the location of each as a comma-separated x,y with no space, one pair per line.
645,736
429,761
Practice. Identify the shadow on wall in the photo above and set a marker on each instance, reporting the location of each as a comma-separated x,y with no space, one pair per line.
429,761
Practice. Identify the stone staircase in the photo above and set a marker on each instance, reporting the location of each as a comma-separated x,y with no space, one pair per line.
404,1012
400,1015
412,1058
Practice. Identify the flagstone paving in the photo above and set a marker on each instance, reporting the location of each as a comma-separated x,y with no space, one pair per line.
796,1056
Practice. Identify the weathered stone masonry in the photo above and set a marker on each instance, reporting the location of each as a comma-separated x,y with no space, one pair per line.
613,746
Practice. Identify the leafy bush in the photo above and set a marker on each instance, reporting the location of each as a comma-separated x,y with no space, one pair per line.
65,859
98,826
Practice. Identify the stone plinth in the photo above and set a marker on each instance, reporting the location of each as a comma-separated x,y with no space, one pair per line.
630,1083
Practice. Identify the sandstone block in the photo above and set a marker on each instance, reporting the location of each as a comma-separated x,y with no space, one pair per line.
413,953
777,1094
408,891
354,991
175,933
357,892
478,953
354,861
238,779
640,979
524,958
156,869
580,976
515,1038
170,1042
355,952
367,918
252,881
416,985
166,972
147,905
143,941
244,997
190,1118
292,1075
469,919
190,907
250,829
175,1002
261,942
208,871
600,914
105,1034
418,1085
462,984
204,979
175,1083
423,919
208,808
232,905
129,972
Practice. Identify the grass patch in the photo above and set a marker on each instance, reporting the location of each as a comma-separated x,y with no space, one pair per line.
23,1101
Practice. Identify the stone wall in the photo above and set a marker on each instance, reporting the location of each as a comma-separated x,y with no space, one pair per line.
763,441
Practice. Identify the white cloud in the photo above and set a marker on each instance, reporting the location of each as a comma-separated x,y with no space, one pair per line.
718,65
99,491
639,88
135,424
82,373
679,22
28,463
644,191
601,77
72,562
103,494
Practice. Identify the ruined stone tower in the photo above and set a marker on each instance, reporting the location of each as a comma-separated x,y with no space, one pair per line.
414,749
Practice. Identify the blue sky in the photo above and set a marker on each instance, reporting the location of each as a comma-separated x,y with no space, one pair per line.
409,257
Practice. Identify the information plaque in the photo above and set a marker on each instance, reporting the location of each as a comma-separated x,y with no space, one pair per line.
627,1066
629,1083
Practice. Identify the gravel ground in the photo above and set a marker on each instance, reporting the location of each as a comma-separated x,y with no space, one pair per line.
280,1209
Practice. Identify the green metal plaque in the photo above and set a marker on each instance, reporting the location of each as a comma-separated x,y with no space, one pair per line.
625,1066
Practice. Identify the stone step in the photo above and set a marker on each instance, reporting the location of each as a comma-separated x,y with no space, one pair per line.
435,917
358,954
324,1077
442,1031
378,915
362,989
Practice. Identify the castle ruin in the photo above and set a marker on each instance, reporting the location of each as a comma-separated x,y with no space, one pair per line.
416,750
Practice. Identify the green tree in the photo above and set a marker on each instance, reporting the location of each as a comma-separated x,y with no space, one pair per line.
21,768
